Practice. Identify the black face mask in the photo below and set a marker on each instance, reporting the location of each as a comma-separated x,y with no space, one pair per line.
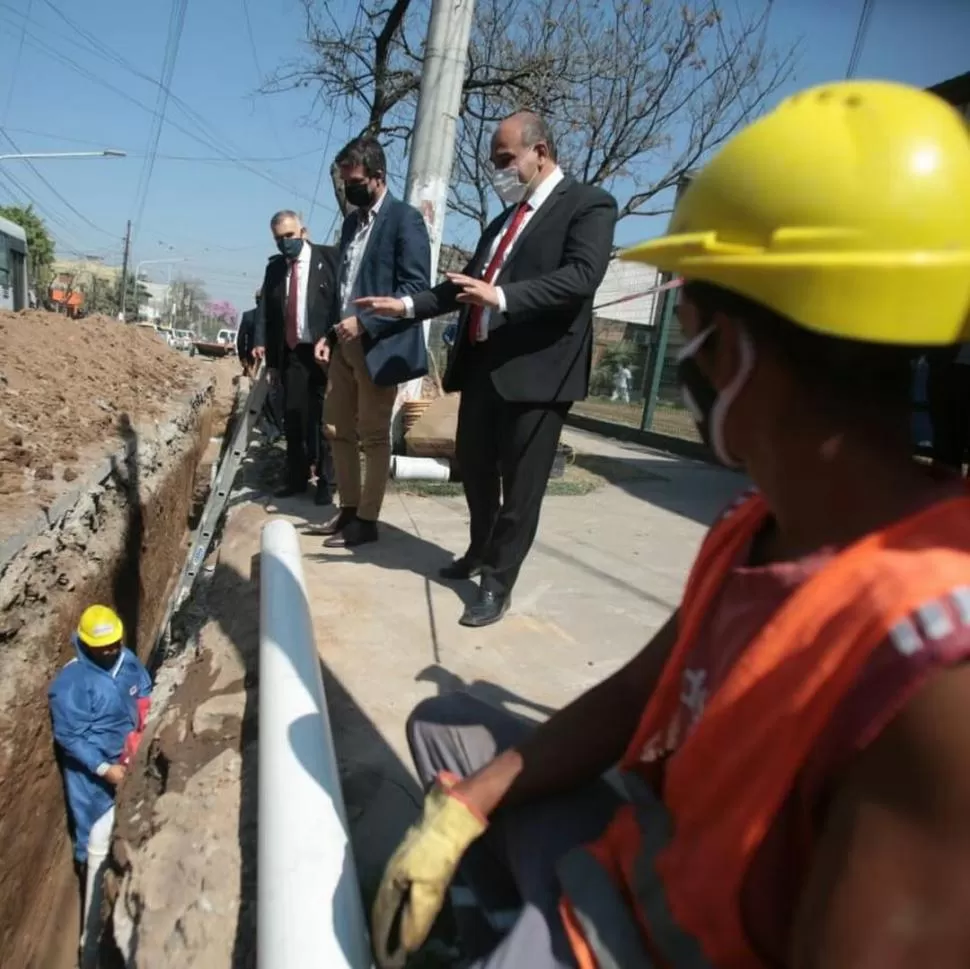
359,194
105,657
291,248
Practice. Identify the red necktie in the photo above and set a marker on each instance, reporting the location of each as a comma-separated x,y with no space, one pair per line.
292,306
475,317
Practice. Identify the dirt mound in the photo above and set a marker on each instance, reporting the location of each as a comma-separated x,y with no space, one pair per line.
68,391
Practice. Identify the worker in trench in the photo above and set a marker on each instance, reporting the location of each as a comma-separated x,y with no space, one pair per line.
793,744
99,704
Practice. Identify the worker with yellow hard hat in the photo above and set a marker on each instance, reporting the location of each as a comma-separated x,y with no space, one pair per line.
99,703
794,761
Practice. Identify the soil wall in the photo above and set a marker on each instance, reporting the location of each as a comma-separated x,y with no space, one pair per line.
119,540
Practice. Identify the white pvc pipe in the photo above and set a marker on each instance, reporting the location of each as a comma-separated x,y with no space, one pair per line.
309,908
405,468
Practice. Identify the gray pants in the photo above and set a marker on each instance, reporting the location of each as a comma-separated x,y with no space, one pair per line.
509,874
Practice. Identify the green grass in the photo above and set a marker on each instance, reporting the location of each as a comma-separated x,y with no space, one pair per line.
577,481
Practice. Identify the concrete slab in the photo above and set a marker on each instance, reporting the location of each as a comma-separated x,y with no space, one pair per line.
604,574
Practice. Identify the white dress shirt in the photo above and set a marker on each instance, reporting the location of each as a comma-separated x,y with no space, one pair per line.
303,276
536,200
353,256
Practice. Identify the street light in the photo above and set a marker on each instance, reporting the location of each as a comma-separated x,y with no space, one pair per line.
150,262
105,153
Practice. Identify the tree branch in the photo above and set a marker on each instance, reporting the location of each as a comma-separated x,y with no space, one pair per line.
640,93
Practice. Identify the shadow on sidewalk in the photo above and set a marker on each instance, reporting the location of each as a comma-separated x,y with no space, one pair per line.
491,693
400,550
693,489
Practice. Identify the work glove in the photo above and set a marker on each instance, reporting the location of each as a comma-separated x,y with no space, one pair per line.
417,877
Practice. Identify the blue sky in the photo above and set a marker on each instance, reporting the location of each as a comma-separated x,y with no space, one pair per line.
212,214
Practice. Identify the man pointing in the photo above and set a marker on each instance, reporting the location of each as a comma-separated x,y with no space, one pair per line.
523,348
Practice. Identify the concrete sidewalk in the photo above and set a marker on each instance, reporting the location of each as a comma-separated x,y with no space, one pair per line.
604,574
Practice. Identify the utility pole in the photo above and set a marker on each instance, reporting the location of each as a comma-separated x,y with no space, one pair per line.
433,144
124,272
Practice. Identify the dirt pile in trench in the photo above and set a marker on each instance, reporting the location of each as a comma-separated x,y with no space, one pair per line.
64,386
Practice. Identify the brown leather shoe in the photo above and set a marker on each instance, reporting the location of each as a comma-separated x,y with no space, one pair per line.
338,523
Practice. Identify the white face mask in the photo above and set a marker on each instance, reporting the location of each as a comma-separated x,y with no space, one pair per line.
507,186
707,406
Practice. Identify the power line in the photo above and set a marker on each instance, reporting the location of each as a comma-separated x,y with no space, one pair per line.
21,196
326,145
860,37
175,25
270,159
16,65
51,188
208,130
259,71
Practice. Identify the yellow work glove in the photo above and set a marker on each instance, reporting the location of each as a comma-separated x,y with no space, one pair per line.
417,877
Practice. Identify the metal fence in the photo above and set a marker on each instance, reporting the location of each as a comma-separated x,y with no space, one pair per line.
634,375
634,380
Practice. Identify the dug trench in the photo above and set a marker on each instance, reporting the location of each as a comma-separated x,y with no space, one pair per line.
120,538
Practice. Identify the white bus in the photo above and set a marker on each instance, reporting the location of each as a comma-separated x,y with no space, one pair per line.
13,266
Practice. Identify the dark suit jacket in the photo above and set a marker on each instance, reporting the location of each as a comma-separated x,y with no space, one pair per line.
246,334
540,349
271,322
396,262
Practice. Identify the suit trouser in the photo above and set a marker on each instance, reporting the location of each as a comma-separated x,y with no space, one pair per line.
358,409
304,386
505,451
506,893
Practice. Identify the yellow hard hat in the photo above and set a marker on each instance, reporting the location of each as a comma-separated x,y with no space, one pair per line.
846,210
100,626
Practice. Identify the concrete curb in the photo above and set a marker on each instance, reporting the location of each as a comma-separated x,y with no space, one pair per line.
11,547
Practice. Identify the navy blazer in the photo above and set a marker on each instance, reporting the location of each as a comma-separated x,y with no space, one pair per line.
396,262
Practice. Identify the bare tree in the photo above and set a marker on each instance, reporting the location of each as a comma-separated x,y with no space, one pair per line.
639,92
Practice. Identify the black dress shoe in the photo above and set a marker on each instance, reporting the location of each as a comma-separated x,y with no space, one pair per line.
357,532
290,490
337,524
489,608
463,568
323,495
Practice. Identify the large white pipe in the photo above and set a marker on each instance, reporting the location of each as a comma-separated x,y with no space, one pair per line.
309,908
419,469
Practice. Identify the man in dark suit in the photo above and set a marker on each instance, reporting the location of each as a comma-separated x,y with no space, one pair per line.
246,336
384,248
523,348
298,293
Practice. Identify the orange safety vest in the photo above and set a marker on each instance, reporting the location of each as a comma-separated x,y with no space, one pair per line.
662,887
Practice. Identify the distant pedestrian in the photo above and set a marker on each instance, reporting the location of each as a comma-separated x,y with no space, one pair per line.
621,383
246,335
